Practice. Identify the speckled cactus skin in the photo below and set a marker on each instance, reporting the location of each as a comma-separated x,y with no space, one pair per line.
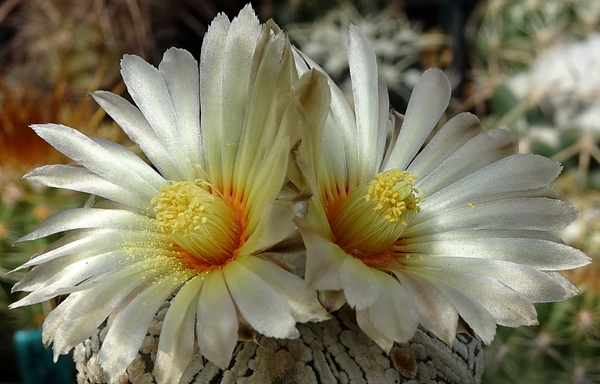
331,352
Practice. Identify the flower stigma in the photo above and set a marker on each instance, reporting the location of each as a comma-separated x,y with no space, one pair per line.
206,231
374,216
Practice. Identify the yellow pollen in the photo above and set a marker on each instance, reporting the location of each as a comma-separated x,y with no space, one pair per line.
180,207
393,193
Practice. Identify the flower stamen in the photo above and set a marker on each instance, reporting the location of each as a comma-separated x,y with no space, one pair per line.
374,215
394,193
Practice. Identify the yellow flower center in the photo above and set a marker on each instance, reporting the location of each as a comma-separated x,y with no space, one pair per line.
200,223
375,213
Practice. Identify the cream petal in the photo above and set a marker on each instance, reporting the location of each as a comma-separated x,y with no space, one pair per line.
456,132
340,133
428,101
361,285
436,313
129,327
508,307
216,320
147,88
482,150
393,312
470,310
179,69
323,259
264,186
96,158
367,90
541,214
364,321
80,179
519,172
386,122
536,253
79,218
225,81
134,124
276,223
263,308
176,343
302,300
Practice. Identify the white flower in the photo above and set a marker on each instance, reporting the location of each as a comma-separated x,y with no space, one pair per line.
201,224
450,234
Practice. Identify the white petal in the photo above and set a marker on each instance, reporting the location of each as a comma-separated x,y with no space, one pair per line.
36,277
73,274
302,300
216,321
361,285
123,279
134,124
323,259
435,312
519,172
508,307
535,285
275,224
129,327
340,133
176,343
80,179
131,161
92,307
477,153
262,307
264,185
365,89
365,323
94,157
393,313
225,75
88,218
180,72
93,241
536,253
457,131
470,310
481,234
147,88
428,101
520,213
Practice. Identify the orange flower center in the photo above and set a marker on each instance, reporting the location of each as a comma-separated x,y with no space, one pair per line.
205,230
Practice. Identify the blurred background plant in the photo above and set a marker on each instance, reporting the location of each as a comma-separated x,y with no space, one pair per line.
402,48
531,66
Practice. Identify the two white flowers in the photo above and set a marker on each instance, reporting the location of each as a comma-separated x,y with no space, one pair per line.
450,233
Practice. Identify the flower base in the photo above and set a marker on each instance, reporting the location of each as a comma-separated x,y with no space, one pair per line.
330,352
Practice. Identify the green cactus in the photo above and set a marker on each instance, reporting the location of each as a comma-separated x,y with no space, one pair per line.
563,348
